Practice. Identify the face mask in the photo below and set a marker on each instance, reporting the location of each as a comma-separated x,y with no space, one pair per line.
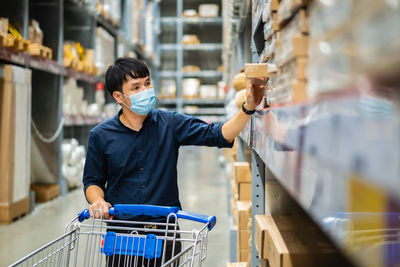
143,102
375,106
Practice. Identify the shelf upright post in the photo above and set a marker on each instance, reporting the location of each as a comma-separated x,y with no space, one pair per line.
258,197
62,182
25,15
156,45
179,56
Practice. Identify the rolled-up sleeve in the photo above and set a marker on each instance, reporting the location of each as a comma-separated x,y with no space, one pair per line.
190,130
94,172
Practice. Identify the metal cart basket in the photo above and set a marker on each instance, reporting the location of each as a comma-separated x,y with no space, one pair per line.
101,242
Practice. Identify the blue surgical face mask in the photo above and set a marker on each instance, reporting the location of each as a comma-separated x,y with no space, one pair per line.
143,102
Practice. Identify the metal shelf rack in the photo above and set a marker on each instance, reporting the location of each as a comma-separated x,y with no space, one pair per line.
335,156
179,53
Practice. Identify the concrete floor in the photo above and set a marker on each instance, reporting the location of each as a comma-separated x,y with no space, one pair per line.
202,189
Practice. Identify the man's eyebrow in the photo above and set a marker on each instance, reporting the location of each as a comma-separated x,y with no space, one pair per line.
135,83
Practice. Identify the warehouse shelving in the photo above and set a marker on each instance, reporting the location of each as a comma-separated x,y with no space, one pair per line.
192,101
336,156
174,20
174,55
73,20
200,74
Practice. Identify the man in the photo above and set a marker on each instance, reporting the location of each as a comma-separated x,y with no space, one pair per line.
132,157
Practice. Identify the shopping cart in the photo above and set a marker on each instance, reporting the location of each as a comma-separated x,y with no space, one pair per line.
101,242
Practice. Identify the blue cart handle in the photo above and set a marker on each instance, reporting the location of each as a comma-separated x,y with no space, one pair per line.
154,211
211,220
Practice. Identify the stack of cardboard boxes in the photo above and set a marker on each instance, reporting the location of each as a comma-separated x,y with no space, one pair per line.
292,240
15,129
241,207
35,36
286,46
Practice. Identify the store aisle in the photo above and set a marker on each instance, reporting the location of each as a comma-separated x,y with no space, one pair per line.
202,189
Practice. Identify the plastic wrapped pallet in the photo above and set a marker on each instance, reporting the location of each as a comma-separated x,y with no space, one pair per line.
294,42
15,106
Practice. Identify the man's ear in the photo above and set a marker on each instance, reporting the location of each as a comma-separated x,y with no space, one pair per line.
118,96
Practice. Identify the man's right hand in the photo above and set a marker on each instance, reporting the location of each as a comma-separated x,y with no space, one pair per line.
100,205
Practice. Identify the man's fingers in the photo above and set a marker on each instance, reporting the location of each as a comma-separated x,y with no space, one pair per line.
105,212
91,211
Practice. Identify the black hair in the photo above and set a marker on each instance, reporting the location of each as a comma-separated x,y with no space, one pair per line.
117,74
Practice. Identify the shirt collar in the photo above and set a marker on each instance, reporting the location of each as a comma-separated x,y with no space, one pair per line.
150,117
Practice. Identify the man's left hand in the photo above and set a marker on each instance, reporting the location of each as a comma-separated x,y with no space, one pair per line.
254,92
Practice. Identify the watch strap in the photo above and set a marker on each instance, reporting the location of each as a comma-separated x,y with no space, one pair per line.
248,112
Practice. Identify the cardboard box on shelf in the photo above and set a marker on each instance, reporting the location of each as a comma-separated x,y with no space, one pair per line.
35,34
289,7
190,39
15,123
4,25
208,10
236,264
292,240
296,46
242,215
190,13
241,172
10,40
256,70
3,39
35,49
244,237
244,191
243,254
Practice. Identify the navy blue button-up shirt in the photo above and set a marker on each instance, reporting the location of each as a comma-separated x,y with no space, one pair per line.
141,167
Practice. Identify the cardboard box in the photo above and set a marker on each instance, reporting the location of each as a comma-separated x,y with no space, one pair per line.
256,70
10,40
35,49
289,240
4,25
287,8
244,191
208,10
242,215
243,254
242,172
244,238
15,126
237,264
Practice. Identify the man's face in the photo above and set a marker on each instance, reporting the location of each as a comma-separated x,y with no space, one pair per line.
132,86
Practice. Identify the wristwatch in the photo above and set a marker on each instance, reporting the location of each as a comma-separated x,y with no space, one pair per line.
248,112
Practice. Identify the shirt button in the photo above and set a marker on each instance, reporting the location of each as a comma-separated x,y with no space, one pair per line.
142,169
140,151
144,186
